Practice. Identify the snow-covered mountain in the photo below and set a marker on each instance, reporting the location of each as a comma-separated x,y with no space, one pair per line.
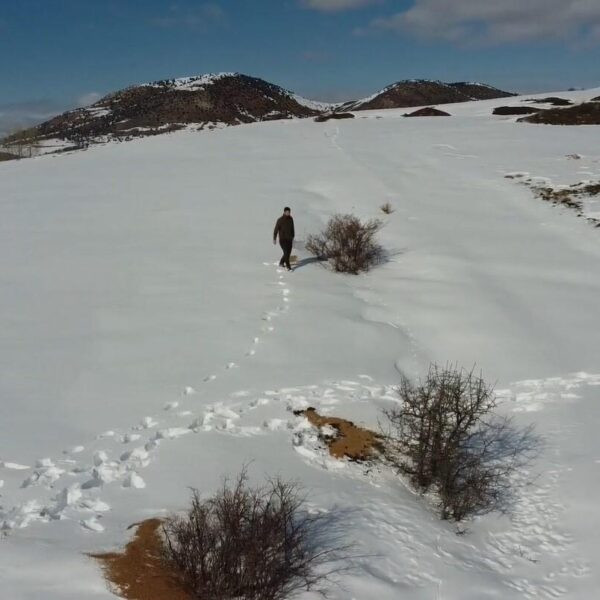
418,92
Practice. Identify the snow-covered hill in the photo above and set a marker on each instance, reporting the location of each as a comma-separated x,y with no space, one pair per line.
150,344
417,92
168,105
209,101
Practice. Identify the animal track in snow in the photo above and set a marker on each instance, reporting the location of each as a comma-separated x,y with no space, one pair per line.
13,466
133,480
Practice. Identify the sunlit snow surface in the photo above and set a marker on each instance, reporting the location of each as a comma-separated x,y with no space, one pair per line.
150,344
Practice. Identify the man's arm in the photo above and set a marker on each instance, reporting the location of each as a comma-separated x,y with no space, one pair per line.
293,230
276,230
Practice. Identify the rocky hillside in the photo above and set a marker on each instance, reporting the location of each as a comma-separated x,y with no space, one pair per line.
419,92
228,98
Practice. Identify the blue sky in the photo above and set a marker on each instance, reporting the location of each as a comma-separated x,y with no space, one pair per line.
59,53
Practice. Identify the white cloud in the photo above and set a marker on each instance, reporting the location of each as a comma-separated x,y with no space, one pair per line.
336,5
18,115
497,21
89,98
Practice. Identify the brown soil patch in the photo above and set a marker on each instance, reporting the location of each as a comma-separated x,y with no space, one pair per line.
7,156
351,441
139,572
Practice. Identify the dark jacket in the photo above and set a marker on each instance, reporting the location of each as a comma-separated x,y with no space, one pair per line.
285,228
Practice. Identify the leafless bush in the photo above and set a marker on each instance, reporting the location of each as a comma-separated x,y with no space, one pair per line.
21,143
348,243
446,437
387,208
249,543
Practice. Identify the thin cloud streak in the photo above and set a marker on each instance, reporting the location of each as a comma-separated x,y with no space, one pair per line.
493,22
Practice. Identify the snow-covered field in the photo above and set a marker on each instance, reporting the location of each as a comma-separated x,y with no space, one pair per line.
150,344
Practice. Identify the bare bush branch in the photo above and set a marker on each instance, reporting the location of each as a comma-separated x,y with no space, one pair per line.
445,436
251,543
348,243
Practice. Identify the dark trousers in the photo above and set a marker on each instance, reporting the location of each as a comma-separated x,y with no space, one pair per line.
286,246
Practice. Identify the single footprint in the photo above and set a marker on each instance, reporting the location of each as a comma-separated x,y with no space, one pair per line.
74,450
210,378
171,405
188,390
133,480
92,524
14,466
148,423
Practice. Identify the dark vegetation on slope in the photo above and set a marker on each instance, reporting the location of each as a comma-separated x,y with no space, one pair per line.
587,113
409,93
428,111
333,115
554,100
515,110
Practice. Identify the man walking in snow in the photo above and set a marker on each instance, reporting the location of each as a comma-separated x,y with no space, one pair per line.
284,228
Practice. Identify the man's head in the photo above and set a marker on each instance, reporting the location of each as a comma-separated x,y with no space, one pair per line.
287,211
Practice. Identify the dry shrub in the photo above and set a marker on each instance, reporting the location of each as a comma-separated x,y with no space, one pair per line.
249,543
348,243
387,208
446,437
